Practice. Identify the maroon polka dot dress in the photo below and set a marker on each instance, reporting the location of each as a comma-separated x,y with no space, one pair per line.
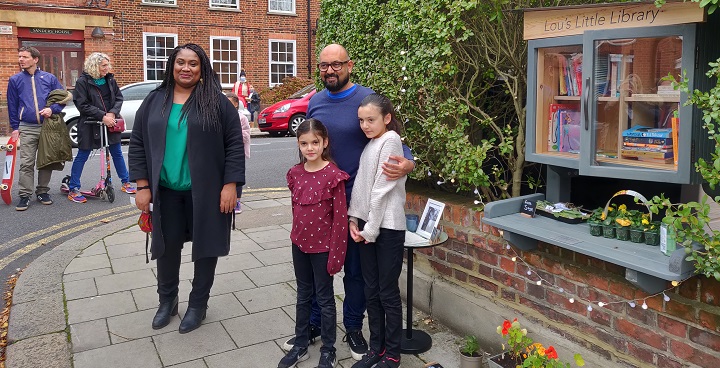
320,222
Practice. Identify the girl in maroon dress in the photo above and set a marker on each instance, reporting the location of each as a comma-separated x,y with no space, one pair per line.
319,239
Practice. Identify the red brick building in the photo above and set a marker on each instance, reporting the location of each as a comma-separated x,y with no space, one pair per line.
269,39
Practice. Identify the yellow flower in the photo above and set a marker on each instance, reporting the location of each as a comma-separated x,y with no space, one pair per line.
645,221
622,208
541,351
623,221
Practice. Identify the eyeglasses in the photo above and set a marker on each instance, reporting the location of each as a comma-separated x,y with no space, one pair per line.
336,65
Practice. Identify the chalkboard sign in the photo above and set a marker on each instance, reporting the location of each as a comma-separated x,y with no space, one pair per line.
528,208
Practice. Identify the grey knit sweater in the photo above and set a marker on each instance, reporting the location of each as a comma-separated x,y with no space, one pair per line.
375,199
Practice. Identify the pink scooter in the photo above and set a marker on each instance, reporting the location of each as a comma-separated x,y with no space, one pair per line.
104,188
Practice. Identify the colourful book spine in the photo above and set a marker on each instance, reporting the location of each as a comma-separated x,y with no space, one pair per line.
647,140
646,145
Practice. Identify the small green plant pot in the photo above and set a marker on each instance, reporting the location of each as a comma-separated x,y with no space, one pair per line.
608,231
622,233
595,228
637,235
652,237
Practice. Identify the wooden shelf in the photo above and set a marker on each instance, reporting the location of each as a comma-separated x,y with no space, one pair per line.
567,98
653,98
608,99
646,267
636,163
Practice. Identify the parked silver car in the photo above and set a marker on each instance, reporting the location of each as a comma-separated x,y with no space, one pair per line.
133,96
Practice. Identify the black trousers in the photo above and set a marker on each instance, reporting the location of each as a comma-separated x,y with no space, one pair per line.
381,264
176,221
311,275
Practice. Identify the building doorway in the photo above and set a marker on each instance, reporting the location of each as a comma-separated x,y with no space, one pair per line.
64,59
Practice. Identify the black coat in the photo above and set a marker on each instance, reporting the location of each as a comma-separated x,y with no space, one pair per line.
89,103
215,159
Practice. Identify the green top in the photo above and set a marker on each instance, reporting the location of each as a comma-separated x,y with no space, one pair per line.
175,172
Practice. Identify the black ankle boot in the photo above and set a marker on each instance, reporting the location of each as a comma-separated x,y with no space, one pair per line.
192,319
163,314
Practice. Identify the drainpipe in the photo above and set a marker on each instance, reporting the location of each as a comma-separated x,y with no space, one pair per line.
309,43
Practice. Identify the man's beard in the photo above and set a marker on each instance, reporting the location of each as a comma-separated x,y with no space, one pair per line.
337,86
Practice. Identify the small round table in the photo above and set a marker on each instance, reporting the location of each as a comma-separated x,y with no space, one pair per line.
415,341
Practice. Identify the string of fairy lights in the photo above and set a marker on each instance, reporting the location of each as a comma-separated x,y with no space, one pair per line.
572,298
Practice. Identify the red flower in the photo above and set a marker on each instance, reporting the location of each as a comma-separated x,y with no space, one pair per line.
505,326
551,353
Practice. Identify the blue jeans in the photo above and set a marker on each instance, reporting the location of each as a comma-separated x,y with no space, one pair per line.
354,302
81,158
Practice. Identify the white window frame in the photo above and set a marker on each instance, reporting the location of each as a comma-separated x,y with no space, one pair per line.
159,2
270,60
145,53
224,4
239,55
278,11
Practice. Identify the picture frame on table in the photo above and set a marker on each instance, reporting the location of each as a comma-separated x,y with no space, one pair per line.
430,218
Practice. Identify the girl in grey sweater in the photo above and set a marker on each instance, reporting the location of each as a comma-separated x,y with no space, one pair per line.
377,218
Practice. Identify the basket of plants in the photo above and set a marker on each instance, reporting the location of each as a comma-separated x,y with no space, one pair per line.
619,222
564,212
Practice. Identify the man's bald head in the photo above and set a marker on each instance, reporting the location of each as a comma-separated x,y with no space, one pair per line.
335,80
334,50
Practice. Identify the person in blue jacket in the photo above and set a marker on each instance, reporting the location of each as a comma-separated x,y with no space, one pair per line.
26,95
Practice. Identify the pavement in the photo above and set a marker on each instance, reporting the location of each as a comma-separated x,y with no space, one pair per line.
89,303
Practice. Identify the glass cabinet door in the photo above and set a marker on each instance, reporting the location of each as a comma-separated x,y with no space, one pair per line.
554,96
637,126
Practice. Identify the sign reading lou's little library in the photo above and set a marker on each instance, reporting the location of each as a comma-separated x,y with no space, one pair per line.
567,21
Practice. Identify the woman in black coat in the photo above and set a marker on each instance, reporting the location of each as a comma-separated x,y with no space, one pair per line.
186,156
98,98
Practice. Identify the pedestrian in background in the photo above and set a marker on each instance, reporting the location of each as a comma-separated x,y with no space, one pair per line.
254,104
97,97
27,93
246,140
242,88
186,155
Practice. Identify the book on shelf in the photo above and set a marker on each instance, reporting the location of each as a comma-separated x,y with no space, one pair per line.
650,160
569,130
614,60
648,140
661,154
647,145
667,90
675,124
562,75
569,74
640,131
601,75
554,124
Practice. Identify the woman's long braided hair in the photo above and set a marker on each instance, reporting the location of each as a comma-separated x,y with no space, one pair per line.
205,95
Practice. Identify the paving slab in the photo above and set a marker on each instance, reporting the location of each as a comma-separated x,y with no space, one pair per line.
103,306
265,354
273,256
137,325
93,250
259,327
243,246
209,339
192,364
269,275
268,297
127,264
80,289
229,282
89,335
136,353
248,231
125,281
220,307
38,317
265,203
283,243
269,235
47,351
237,263
147,297
69,277
126,249
88,263
136,236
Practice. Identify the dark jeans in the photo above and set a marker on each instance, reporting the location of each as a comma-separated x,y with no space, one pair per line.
176,221
311,275
82,156
381,264
354,302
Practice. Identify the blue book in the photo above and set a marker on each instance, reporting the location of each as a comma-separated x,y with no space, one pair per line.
647,132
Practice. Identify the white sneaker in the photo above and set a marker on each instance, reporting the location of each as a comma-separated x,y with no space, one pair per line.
238,207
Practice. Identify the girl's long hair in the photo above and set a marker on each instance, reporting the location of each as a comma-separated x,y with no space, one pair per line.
205,95
386,107
315,127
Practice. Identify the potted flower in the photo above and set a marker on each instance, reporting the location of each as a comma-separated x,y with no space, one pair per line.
622,223
637,226
522,351
595,222
470,356
651,232
608,221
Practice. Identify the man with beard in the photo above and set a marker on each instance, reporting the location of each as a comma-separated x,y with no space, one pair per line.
337,108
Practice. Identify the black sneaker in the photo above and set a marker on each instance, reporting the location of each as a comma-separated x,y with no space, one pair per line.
44,198
388,362
293,357
314,334
356,342
369,360
23,204
327,360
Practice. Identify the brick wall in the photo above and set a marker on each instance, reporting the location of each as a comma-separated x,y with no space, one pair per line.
682,332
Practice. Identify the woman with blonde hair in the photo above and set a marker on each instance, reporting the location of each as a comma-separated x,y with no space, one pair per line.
98,98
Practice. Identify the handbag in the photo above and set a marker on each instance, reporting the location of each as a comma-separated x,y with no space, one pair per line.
119,126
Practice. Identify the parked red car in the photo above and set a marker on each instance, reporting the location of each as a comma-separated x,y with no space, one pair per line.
285,117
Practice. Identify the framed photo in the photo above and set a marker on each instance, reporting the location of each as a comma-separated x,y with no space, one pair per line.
430,218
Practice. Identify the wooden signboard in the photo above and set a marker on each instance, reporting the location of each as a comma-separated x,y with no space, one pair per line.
568,21
527,208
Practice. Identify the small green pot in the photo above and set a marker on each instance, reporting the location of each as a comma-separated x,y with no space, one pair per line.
622,233
595,228
608,231
652,237
637,235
